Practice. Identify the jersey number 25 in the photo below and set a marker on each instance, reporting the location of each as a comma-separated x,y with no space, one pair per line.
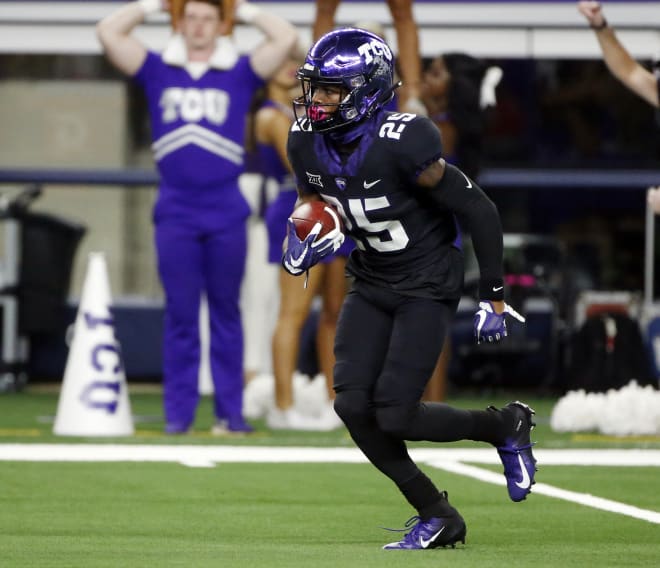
385,236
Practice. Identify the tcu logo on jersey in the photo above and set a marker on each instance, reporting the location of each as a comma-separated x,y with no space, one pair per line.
372,49
193,105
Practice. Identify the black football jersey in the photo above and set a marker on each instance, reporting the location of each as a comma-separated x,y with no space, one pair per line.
403,239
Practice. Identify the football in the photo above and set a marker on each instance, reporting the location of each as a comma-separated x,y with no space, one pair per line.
308,214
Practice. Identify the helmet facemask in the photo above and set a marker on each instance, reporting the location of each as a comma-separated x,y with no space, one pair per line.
327,116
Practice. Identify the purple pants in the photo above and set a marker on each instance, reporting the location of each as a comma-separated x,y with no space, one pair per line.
201,249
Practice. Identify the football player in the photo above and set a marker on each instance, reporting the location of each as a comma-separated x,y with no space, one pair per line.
385,174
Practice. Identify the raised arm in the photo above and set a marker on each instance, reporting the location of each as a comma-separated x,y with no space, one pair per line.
653,197
619,61
123,50
280,38
410,62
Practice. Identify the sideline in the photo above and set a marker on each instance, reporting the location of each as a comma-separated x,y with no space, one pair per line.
448,459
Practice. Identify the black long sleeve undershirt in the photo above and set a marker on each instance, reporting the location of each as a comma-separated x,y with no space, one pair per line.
478,215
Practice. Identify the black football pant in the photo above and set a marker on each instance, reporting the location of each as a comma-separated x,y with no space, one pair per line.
386,348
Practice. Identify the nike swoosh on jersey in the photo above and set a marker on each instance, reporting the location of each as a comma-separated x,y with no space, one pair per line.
525,482
425,543
469,183
370,184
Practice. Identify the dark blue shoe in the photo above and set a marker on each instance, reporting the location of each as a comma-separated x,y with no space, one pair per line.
433,533
516,453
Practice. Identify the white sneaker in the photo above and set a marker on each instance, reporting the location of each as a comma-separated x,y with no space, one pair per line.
258,396
291,419
329,420
276,419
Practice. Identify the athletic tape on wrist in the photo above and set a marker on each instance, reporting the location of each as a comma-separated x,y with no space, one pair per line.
150,6
247,12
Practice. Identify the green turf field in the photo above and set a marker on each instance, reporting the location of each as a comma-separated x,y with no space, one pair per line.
140,514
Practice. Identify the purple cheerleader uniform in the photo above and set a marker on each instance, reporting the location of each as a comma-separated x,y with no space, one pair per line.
198,128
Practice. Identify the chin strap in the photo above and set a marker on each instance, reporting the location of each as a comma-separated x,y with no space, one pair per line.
352,131
387,95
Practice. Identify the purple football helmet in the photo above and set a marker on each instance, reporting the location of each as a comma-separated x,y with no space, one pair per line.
359,62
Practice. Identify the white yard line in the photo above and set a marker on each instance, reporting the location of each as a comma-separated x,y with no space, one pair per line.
549,490
209,454
446,459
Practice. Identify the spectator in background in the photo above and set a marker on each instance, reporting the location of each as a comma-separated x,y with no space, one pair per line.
272,119
631,73
409,62
653,197
619,61
456,90
198,92
578,111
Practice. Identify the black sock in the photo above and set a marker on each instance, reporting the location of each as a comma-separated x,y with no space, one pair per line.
439,509
425,498
491,425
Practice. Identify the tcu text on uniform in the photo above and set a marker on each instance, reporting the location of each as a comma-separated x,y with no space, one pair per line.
193,105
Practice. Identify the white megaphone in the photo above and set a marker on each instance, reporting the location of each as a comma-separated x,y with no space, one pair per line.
94,397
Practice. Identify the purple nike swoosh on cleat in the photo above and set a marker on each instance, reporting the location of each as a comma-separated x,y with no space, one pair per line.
516,454
432,533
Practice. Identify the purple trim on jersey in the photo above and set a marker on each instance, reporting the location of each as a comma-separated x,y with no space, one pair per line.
334,162
197,125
